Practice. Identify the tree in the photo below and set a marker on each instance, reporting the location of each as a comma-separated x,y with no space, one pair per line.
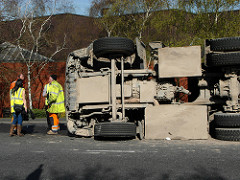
104,17
5,72
48,7
173,26
209,20
33,35
191,22
99,7
125,17
9,9
144,8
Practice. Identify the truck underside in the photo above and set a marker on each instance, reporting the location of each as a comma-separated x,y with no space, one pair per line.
111,91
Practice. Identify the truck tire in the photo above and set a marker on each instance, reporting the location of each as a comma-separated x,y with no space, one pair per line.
227,120
113,47
224,44
227,134
115,129
225,59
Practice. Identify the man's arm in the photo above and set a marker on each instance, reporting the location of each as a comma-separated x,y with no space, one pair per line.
24,100
53,94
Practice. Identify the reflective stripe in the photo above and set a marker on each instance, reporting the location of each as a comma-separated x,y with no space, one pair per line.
16,98
19,93
55,128
58,102
54,93
55,85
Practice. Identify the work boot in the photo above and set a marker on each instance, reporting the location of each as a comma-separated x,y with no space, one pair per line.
50,132
13,126
15,130
19,130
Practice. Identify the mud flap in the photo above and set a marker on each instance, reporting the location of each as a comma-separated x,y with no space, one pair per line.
176,122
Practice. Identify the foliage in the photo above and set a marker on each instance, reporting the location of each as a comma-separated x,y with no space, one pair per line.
176,23
39,113
211,19
172,27
123,17
191,22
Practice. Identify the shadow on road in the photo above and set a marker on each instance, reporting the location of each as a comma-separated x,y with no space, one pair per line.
33,128
42,129
35,174
106,172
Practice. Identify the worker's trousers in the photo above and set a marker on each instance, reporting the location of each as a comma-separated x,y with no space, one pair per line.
54,122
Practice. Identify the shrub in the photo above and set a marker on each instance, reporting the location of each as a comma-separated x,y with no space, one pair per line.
39,113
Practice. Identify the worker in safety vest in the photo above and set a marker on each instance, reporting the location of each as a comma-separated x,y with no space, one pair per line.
45,92
19,105
20,76
55,98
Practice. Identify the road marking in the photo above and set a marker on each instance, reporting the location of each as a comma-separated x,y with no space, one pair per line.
38,151
111,151
16,143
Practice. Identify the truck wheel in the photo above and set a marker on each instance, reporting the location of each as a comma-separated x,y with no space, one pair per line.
113,47
224,44
115,129
227,134
227,120
225,59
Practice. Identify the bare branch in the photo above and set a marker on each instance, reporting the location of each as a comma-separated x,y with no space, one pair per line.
58,49
41,31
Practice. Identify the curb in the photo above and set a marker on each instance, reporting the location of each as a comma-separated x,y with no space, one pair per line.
35,121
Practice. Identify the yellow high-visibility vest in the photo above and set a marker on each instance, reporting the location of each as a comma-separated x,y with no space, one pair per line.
56,98
47,89
16,98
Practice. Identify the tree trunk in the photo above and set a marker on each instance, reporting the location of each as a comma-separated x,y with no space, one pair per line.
109,33
29,88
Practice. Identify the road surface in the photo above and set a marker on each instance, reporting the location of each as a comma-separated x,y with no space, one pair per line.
49,157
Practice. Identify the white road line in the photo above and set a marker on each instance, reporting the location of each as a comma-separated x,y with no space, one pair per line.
111,151
38,151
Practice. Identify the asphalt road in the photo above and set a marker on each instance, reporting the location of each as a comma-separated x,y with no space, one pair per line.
40,156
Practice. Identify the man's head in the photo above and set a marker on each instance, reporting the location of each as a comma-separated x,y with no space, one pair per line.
52,78
20,76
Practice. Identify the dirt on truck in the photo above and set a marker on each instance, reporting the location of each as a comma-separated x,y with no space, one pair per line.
111,91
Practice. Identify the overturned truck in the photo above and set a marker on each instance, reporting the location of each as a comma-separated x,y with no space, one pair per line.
113,91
